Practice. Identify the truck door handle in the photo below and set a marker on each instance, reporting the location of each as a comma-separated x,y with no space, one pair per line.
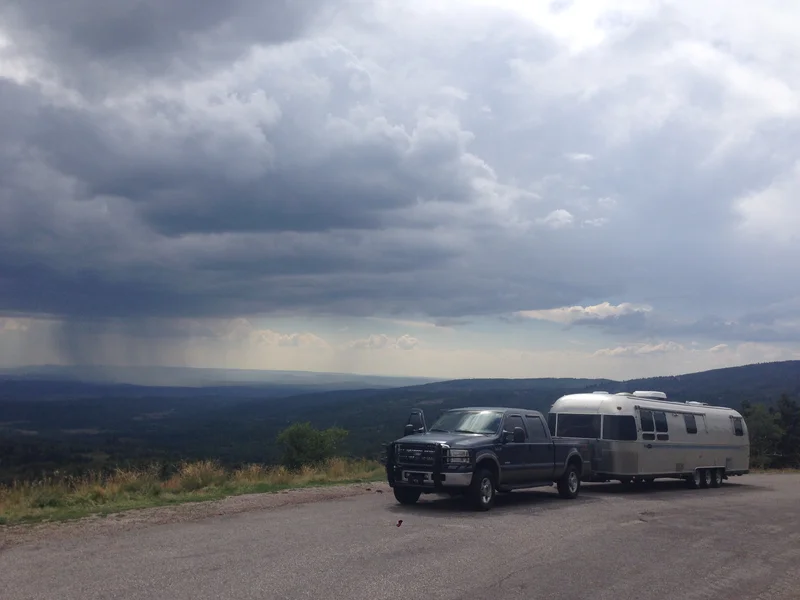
648,445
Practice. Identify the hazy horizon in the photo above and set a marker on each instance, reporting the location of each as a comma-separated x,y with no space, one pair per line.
175,375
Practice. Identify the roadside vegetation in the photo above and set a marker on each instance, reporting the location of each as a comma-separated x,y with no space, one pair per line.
774,433
309,460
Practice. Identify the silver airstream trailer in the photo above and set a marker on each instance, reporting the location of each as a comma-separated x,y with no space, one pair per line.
642,436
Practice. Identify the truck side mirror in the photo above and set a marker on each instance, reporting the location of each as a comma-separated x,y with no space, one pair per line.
519,435
409,429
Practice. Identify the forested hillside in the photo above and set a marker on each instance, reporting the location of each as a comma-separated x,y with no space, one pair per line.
56,430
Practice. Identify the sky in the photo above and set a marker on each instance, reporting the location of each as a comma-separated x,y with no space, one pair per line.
440,188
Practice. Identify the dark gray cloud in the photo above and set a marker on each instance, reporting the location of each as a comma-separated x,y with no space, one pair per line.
93,43
342,170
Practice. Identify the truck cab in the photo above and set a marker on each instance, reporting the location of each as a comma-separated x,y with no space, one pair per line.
477,452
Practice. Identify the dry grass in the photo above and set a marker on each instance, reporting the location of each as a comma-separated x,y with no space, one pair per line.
59,499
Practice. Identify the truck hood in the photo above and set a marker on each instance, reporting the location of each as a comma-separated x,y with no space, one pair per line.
454,440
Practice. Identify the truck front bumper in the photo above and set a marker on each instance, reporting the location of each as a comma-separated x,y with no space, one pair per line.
426,478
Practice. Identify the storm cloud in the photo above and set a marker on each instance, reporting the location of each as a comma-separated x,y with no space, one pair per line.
199,159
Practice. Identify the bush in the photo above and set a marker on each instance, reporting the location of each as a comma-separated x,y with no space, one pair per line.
304,445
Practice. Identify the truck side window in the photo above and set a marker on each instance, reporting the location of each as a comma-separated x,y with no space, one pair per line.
513,421
536,429
661,421
691,423
737,426
551,423
416,420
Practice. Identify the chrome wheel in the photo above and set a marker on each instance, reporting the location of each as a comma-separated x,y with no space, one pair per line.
486,490
572,482
696,478
481,490
707,478
717,480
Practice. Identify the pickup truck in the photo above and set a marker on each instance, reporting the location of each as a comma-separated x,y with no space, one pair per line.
477,452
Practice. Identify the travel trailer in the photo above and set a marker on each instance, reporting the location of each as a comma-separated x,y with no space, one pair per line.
642,436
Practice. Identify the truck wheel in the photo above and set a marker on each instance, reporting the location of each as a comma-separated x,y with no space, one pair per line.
406,495
570,483
482,490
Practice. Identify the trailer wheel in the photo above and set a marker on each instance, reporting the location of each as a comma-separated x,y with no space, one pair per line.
406,495
716,478
570,483
706,481
694,480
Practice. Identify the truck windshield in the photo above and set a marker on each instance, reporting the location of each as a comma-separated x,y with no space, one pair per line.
469,421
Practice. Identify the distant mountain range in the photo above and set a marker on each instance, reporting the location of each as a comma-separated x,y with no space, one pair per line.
50,420
59,381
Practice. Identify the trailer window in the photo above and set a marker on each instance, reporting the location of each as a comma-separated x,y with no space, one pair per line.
737,426
646,417
661,421
579,426
551,423
619,428
691,423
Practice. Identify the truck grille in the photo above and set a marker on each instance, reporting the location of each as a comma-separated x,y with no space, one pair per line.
415,454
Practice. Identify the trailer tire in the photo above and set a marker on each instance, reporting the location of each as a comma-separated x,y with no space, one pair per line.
695,480
706,480
570,483
716,478
406,496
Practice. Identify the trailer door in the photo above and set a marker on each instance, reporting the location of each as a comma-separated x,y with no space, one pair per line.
654,457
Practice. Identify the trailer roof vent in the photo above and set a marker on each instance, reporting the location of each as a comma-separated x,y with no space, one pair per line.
651,395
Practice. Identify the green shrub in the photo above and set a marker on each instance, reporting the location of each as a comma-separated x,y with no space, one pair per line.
304,445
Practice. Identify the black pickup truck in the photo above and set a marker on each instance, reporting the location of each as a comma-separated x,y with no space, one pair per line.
478,452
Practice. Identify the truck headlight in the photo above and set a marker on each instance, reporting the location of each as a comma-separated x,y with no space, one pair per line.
458,456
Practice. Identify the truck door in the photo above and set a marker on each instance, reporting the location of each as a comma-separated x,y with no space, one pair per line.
515,458
540,449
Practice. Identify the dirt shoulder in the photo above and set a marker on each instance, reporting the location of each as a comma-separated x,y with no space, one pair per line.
14,535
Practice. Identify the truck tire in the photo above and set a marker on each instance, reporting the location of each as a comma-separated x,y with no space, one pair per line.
406,495
570,483
482,490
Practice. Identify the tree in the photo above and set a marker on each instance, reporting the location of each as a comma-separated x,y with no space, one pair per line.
303,444
788,414
765,434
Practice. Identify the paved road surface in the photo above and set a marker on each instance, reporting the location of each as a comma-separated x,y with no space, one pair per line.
741,541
